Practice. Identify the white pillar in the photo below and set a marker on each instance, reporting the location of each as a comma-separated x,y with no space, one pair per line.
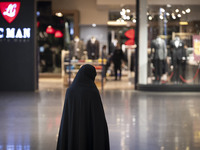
143,42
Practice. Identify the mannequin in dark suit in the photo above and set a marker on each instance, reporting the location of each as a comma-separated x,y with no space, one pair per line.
158,55
93,48
77,47
178,55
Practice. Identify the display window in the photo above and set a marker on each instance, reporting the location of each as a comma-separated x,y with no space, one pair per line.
173,45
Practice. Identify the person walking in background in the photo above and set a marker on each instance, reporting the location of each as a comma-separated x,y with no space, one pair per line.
117,58
83,124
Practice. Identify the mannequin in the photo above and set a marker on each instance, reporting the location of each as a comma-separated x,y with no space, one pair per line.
178,55
158,55
77,47
93,48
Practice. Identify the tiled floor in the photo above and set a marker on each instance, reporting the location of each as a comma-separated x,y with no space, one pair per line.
136,120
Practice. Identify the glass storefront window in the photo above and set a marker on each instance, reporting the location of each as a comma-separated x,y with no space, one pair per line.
173,44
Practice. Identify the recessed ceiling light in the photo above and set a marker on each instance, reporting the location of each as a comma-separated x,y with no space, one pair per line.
94,25
179,15
59,14
168,5
188,10
177,10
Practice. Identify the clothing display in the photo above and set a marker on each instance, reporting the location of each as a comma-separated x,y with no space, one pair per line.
83,124
77,47
178,55
158,55
93,48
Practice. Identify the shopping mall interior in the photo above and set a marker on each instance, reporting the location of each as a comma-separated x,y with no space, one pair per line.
146,54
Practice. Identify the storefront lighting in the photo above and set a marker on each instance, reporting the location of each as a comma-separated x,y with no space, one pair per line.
150,17
169,6
124,17
122,13
177,10
183,12
38,13
128,10
183,23
168,14
134,20
162,10
188,10
58,34
59,14
116,23
173,14
94,25
179,15
174,17
161,17
123,10
50,30
128,17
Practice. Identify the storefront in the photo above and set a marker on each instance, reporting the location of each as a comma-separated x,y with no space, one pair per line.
168,46
18,55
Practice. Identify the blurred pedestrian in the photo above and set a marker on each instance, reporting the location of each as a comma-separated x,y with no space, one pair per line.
117,58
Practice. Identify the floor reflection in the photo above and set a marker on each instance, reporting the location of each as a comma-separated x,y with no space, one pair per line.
136,120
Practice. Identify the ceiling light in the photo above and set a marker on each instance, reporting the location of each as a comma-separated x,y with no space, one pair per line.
183,12
115,23
59,14
128,17
174,17
162,10
161,17
128,10
94,25
168,5
177,10
122,13
183,23
134,20
168,14
179,15
188,10
150,17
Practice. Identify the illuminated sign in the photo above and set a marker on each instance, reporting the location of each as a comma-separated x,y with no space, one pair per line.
15,33
9,10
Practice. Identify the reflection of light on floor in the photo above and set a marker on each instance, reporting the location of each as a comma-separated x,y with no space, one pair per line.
15,147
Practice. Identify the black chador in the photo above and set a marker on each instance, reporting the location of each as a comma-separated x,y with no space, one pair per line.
83,125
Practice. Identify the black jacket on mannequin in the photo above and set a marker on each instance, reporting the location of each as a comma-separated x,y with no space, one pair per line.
179,58
83,125
177,52
93,49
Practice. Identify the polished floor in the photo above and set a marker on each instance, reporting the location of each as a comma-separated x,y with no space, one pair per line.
136,120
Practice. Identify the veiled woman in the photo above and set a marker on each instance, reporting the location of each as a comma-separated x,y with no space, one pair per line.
83,125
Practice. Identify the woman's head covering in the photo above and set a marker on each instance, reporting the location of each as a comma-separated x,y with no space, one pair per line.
86,74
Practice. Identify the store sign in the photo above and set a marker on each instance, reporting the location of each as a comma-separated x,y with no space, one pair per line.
196,46
9,11
15,33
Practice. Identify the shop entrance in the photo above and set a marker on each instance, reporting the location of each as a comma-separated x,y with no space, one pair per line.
65,45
